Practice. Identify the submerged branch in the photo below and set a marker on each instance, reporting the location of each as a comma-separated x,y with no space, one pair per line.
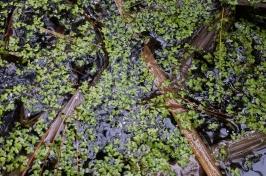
9,26
56,127
247,3
251,143
247,145
199,149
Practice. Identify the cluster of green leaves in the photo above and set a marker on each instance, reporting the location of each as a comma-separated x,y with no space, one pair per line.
16,147
235,2
117,94
170,23
3,15
235,83
46,55
116,100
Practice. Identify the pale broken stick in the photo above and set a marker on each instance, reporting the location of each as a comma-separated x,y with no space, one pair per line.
201,152
244,146
56,127
238,150
119,5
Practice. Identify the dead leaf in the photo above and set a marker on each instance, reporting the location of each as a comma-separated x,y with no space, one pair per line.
21,115
9,24
204,39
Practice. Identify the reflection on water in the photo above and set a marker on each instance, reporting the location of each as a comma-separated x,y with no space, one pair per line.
257,168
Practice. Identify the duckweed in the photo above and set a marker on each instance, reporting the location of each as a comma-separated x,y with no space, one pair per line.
58,46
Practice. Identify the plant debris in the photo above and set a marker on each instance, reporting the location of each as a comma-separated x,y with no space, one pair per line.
129,87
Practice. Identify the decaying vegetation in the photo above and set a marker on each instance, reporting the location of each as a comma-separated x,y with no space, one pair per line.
129,87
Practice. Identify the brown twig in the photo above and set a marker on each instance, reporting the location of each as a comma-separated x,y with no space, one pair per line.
247,3
56,127
246,145
9,25
199,149
119,4
238,149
